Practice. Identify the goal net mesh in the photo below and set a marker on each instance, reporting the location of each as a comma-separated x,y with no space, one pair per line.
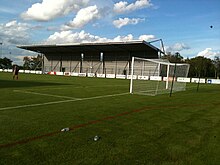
156,76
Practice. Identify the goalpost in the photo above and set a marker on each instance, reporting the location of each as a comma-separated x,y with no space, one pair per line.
156,76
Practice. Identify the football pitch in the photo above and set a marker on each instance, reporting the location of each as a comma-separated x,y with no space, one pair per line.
133,129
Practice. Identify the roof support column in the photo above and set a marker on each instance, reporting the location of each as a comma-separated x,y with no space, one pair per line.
51,65
61,63
116,65
70,63
102,59
81,63
43,63
129,64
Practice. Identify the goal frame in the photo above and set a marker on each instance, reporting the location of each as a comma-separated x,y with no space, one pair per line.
169,64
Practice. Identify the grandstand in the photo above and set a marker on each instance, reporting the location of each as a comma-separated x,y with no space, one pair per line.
98,58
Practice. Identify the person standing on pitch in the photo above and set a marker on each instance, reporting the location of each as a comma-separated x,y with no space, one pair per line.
15,72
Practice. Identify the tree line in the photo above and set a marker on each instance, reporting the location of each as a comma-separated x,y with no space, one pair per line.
29,63
199,66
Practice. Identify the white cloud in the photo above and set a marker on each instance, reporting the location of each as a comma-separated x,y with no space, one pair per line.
80,37
124,7
147,37
180,46
50,9
126,21
177,47
209,53
14,32
129,37
70,37
83,17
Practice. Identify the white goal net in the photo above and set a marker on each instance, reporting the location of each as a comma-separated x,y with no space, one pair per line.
157,76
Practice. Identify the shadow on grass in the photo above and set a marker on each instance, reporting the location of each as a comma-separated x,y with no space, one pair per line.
20,84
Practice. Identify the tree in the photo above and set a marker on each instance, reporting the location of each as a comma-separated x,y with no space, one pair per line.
201,67
216,62
5,63
174,58
33,63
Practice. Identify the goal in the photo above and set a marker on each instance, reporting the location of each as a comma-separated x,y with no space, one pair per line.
156,76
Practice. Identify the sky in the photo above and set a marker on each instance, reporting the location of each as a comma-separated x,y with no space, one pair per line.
190,27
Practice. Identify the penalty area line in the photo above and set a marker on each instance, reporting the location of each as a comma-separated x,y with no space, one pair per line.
62,101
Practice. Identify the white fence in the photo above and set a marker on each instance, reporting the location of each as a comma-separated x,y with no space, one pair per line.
119,76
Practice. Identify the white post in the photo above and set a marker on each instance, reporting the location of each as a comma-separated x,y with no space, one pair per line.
167,82
132,73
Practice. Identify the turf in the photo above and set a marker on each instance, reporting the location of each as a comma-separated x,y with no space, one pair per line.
157,130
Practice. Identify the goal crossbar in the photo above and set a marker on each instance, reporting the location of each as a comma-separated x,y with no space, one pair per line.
160,62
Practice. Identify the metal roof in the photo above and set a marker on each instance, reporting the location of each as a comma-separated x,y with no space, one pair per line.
128,46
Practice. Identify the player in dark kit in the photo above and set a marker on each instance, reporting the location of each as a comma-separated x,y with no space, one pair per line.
15,72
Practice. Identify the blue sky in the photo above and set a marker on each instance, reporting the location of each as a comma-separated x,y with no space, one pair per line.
183,25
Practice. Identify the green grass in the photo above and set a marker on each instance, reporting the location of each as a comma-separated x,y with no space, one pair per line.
157,130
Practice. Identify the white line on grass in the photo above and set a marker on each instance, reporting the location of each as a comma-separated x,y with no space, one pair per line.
44,94
104,96
63,101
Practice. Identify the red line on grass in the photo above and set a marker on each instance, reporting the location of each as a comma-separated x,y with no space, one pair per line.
24,141
28,140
